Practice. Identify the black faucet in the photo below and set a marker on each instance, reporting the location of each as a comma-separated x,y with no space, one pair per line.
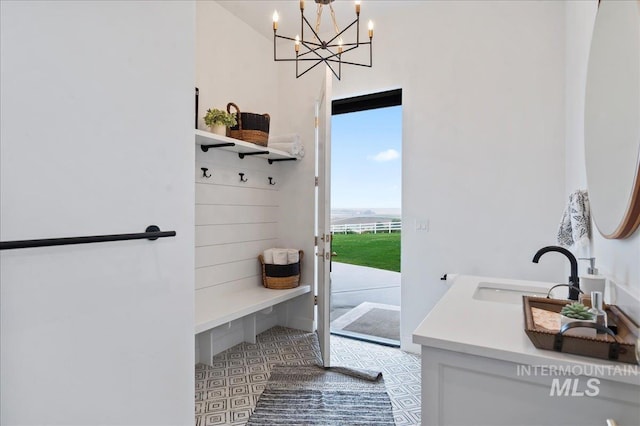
574,281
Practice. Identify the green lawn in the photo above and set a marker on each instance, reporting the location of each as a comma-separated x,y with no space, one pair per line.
380,251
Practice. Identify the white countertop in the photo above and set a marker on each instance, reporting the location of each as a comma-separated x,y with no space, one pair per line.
496,330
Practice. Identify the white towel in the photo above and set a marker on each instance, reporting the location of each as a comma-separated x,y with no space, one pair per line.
294,148
288,138
293,256
268,256
280,256
575,226
289,143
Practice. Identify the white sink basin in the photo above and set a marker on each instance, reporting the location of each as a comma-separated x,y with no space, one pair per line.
507,293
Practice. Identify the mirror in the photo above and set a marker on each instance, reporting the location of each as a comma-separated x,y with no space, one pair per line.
612,119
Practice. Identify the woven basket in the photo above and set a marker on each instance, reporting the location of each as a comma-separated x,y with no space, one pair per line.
251,127
288,275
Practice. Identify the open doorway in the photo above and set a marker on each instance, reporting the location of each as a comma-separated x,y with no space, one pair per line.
366,176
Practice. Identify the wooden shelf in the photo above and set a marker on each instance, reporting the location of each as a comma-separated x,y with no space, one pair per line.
208,140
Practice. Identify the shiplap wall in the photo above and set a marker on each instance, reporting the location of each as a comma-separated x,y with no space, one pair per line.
234,222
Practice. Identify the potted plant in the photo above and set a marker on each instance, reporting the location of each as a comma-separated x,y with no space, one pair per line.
218,120
577,312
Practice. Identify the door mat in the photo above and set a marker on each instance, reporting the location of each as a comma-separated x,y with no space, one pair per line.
372,319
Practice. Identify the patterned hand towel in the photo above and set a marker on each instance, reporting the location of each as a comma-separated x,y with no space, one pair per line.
575,226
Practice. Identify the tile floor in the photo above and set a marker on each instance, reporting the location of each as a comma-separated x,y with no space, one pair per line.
226,392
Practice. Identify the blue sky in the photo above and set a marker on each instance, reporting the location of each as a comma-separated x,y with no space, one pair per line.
366,150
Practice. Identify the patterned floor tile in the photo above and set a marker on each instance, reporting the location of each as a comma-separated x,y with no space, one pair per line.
227,391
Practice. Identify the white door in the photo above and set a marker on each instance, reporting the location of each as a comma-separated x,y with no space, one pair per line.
323,213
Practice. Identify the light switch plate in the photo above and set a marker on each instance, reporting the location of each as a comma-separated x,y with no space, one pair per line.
422,225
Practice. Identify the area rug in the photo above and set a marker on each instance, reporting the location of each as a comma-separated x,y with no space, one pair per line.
373,319
312,395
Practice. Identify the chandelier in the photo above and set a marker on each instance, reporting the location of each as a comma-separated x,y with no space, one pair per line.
312,51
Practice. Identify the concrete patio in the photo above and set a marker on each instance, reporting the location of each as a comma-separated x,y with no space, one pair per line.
352,285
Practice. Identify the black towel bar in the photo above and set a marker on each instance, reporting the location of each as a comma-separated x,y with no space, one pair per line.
151,233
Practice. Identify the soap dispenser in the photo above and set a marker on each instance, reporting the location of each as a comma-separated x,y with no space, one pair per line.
592,281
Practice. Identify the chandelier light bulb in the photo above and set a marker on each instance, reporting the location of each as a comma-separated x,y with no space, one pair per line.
301,4
297,43
357,7
340,44
370,29
275,20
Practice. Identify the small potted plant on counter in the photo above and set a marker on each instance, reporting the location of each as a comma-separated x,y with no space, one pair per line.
218,120
577,312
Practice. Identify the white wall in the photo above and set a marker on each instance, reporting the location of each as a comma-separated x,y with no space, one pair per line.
619,260
297,104
483,129
233,64
96,138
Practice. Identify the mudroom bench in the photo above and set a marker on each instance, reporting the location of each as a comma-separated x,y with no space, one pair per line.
216,311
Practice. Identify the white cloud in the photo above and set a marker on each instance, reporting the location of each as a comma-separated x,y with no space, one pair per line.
388,155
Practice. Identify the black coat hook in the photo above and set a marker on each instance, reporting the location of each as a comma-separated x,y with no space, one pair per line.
204,172
242,178
271,181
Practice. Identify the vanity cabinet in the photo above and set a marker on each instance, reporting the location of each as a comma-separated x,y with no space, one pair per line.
480,368
464,389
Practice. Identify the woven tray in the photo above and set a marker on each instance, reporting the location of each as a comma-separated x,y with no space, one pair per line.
281,277
619,347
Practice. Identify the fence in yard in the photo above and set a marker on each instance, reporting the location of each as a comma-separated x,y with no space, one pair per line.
359,228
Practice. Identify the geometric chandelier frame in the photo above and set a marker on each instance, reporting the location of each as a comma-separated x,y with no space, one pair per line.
315,51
